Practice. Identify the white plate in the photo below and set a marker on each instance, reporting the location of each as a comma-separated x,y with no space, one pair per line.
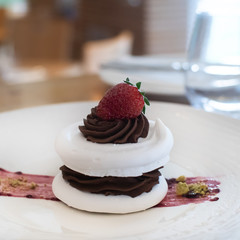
155,82
205,145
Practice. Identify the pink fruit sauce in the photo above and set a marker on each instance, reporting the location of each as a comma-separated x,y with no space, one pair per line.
172,199
18,184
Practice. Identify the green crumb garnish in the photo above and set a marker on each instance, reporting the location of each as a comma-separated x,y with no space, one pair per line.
33,185
181,179
182,188
14,182
190,190
21,183
199,188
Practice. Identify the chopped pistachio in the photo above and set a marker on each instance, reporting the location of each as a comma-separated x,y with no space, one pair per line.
199,188
14,182
192,189
182,188
33,185
181,179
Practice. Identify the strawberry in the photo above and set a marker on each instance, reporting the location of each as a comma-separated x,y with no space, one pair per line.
123,101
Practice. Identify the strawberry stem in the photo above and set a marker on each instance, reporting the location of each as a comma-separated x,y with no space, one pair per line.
127,81
138,86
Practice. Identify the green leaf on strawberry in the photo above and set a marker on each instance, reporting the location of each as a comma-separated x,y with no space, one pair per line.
138,85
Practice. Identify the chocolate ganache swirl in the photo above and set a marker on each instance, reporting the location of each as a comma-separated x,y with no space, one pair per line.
131,186
118,131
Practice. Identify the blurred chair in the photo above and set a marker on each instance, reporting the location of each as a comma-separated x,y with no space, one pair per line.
98,52
39,38
38,43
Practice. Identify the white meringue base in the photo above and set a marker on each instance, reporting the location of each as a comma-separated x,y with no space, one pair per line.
124,160
108,204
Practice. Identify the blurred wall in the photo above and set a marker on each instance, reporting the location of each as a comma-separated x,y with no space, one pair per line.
159,26
57,29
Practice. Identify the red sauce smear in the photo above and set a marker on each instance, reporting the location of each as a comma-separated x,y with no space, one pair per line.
172,199
18,184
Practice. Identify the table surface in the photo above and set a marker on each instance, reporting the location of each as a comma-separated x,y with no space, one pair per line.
59,90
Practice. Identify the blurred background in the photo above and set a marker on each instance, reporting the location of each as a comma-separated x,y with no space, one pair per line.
52,50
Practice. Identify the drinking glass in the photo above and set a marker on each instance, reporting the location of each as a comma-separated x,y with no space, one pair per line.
213,72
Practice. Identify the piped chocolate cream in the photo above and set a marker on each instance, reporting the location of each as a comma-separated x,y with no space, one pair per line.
117,131
109,185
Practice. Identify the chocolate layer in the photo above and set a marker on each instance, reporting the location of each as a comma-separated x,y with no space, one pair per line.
118,131
131,186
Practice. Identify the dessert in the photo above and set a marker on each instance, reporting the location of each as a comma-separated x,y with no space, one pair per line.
112,159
